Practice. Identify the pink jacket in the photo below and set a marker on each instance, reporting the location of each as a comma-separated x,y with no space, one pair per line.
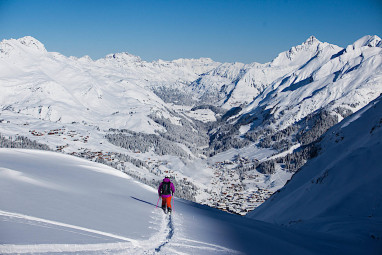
171,187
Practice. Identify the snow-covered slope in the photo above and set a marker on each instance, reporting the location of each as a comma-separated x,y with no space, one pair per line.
55,203
339,191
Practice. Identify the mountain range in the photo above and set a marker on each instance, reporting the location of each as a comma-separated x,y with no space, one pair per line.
225,131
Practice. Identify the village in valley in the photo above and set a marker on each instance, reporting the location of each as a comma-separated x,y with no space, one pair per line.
236,186
234,190
61,132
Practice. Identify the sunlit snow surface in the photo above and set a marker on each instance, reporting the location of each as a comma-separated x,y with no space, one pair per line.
55,203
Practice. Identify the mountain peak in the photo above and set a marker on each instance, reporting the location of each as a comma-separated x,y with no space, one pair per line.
31,42
309,43
86,58
311,40
124,57
369,41
298,54
24,44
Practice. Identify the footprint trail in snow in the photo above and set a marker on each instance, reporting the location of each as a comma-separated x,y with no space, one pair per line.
170,229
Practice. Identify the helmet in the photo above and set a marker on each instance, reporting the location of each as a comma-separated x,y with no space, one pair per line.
167,176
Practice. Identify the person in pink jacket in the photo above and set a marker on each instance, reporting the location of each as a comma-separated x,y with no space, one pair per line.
166,190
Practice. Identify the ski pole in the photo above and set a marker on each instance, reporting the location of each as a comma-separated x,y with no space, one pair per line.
157,202
172,203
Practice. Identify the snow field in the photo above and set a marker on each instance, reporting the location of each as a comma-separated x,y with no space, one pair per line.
57,203
54,203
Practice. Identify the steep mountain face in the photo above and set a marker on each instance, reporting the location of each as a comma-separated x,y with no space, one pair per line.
321,85
225,131
339,191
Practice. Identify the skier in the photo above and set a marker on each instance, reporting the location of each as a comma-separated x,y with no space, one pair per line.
166,191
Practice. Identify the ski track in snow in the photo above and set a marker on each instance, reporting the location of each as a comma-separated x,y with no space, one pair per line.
170,230
160,243
176,244
27,218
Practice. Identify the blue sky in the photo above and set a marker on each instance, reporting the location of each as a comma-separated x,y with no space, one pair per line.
226,31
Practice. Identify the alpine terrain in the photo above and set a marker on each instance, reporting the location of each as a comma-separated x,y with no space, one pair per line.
230,135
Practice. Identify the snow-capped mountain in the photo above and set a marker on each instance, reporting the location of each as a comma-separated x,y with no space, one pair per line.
53,87
224,130
308,77
323,85
238,83
348,78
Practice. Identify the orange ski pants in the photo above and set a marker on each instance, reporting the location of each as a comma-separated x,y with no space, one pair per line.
166,201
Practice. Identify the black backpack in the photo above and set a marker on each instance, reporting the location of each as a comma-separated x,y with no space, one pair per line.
166,188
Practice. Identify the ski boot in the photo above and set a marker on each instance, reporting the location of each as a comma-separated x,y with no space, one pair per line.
164,209
169,210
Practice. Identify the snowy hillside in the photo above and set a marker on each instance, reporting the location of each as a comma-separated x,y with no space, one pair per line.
339,191
54,203
225,131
